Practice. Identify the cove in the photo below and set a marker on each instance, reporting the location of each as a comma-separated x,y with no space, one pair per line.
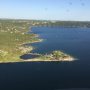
73,41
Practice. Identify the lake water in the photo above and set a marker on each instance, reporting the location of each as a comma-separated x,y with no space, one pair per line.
73,41
52,75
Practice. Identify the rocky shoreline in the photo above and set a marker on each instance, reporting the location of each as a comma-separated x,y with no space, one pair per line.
54,56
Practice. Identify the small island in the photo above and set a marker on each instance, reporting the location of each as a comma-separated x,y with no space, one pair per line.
13,37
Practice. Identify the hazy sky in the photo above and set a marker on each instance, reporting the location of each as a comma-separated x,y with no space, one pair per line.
46,9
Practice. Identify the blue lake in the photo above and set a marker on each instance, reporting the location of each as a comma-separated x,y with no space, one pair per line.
52,75
73,41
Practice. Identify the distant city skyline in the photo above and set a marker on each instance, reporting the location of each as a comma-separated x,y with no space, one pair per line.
64,10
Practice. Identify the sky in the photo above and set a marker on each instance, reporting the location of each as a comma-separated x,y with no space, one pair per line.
68,10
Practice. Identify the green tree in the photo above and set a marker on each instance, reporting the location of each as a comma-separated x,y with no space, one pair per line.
57,54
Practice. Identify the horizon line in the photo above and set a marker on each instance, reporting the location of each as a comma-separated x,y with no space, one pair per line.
43,19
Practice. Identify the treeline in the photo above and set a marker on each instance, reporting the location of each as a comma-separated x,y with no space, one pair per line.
65,24
82,24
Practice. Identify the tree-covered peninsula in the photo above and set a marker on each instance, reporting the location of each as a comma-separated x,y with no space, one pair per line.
14,35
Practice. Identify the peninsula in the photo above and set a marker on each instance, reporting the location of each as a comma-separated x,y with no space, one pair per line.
13,37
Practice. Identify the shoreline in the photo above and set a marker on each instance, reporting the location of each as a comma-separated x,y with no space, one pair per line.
69,59
36,60
21,48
